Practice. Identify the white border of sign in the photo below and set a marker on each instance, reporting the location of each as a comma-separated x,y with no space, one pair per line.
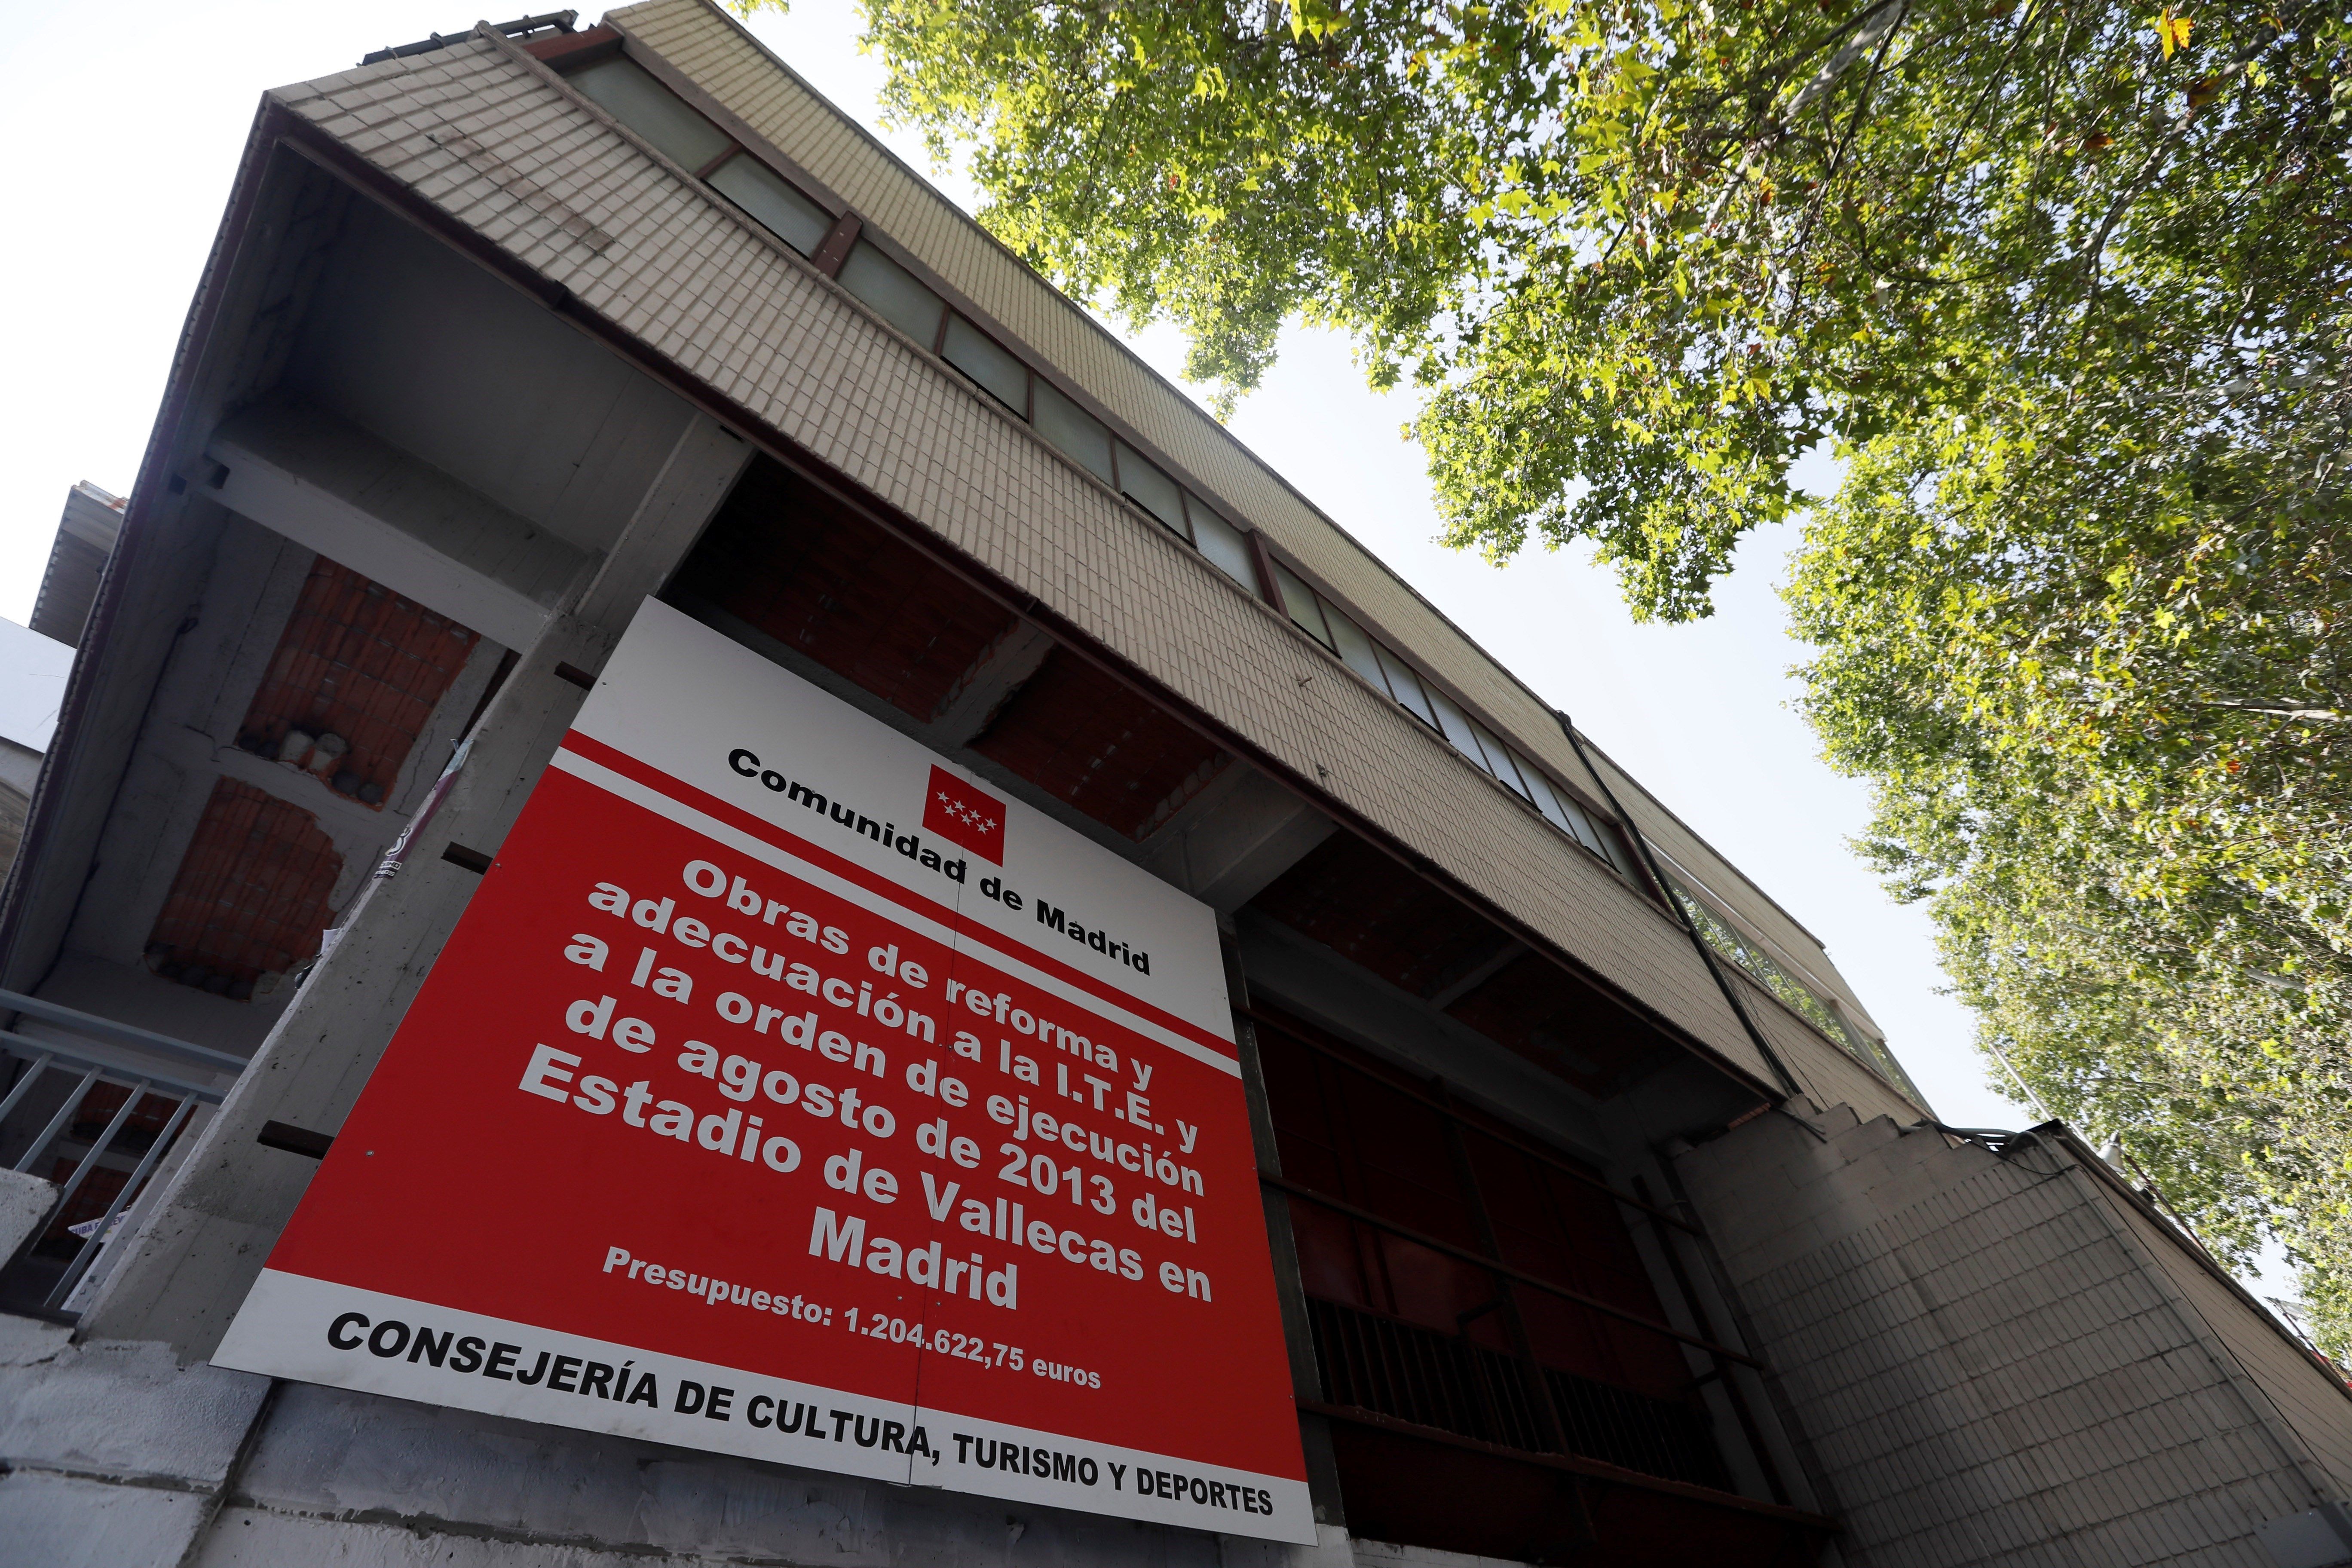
666,730
283,1329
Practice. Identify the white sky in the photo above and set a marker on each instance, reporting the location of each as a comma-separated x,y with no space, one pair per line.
143,107
33,670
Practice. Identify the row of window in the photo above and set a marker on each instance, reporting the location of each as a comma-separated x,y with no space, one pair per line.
631,94
1328,623
1770,974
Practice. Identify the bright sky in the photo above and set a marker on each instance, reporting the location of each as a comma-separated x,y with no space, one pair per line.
147,104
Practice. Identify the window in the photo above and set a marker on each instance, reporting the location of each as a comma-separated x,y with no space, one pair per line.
1356,650
633,96
628,92
1071,431
1802,999
1615,849
1454,724
1323,621
1222,542
774,201
1303,605
1405,685
896,294
1564,814
991,367
1148,487
1499,761
1601,836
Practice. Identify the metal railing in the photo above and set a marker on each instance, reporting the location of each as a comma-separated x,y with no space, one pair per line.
1419,1375
123,1122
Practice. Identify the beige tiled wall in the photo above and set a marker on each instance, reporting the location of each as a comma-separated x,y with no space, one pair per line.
708,50
2319,1414
487,138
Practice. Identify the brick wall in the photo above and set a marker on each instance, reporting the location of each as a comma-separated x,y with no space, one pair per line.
251,895
361,669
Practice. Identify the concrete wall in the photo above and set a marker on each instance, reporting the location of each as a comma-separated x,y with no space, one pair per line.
237,612
119,1457
115,1455
1987,1361
24,1200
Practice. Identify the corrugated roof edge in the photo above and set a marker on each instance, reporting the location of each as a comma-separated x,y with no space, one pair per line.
1122,347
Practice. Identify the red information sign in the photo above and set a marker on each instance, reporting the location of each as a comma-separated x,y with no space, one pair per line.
783,1092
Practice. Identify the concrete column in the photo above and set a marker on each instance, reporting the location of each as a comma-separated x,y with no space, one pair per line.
199,1251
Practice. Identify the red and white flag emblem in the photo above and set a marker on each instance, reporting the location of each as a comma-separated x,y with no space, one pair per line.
962,815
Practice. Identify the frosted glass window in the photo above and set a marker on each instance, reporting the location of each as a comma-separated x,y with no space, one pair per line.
1498,759
1222,543
628,92
1300,601
1406,686
1562,811
1076,433
774,201
1456,725
984,359
1148,487
896,294
1613,846
1354,647
1549,802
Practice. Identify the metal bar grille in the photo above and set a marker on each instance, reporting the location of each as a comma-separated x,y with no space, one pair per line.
98,1131
1433,1379
1503,1271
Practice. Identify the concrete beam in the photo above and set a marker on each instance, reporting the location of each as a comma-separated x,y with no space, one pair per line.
1002,669
1478,974
1234,838
368,505
702,466
1303,978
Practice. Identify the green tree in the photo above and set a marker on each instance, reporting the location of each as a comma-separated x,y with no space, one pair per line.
1644,253
2066,283
2096,674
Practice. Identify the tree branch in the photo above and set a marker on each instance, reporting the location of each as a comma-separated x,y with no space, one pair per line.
2302,715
